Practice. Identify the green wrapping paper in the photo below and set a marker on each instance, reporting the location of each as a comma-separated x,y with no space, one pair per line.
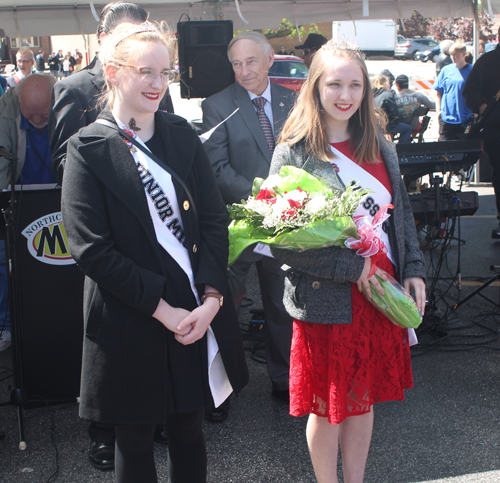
319,234
396,303
324,229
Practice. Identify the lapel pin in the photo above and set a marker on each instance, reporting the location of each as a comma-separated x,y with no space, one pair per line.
282,105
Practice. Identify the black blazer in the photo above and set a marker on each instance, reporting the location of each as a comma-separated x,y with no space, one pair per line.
112,238
75,104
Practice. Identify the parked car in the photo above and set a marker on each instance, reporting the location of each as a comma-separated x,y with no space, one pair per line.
409,48
429,54
288,71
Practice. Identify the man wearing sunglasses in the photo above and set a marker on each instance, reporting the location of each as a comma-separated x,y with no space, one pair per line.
313,43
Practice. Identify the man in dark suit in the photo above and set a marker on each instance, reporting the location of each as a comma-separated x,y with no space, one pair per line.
239,151
76,105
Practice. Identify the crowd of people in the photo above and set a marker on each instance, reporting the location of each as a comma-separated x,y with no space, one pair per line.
58,64
143,203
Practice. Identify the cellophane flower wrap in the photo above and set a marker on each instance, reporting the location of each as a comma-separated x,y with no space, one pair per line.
293,210
298,211
396,303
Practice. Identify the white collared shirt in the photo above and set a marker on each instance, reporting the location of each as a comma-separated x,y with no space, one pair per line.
268,108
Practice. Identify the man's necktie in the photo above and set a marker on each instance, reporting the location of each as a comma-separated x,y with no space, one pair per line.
259,103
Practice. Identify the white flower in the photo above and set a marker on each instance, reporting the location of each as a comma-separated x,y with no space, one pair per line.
316,204
281,205
260,207
296,195
271,182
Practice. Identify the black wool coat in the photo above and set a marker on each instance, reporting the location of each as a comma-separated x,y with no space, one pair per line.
112,238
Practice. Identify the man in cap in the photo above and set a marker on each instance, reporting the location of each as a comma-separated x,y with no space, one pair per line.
313,43
39,62
408,101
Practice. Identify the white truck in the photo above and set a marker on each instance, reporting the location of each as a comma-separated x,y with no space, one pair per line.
373,37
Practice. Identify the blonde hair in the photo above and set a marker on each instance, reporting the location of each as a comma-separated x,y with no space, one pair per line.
458,46
380,81
25,50
124,42
307,122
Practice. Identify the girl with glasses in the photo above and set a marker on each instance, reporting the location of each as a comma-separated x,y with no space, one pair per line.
148,227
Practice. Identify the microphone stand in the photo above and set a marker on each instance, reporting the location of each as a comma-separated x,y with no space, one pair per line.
17,396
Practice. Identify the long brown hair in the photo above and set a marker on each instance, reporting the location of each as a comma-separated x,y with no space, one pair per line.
307,122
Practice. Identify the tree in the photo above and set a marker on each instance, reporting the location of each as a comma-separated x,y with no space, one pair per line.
415,26
460,28
289,30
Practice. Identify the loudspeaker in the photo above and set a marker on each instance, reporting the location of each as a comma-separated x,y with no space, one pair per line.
48,289
203,63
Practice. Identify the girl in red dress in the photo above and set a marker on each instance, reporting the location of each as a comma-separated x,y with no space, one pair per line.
346,355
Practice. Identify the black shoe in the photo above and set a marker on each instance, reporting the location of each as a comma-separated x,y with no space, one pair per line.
495,234
220,414
161,434
282,395
102,456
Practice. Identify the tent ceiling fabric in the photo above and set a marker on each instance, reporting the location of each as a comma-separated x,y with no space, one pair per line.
60,17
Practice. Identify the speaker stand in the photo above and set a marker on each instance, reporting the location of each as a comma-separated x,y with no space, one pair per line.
17,396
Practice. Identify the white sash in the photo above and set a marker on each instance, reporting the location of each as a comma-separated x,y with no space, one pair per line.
348,171
380,196
167,221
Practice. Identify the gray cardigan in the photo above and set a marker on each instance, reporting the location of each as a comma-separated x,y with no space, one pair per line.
318,285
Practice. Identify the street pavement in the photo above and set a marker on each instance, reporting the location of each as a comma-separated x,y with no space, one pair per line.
446,430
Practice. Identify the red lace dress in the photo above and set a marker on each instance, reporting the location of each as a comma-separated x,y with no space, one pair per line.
341,370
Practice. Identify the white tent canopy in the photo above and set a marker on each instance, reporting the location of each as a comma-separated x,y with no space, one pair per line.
20,18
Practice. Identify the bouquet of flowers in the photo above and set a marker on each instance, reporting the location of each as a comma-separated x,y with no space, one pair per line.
298,211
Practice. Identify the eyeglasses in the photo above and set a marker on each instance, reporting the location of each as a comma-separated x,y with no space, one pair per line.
149,75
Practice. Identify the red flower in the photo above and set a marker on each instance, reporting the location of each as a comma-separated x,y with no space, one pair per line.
266,195
289,214
295,204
